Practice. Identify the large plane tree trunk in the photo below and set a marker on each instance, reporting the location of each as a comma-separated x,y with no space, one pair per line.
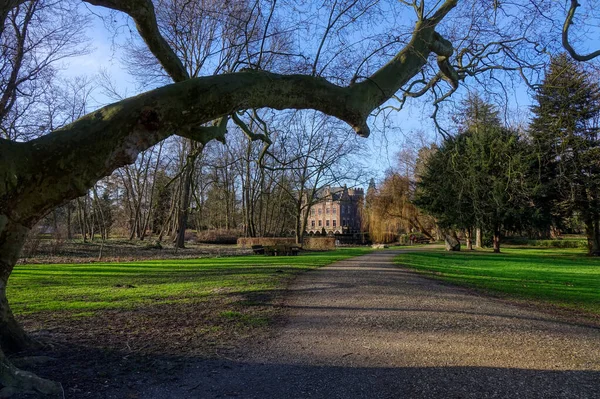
41,174
12,238
15,380
451,241
12,336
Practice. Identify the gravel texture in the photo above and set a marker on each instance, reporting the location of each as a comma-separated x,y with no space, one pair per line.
364,328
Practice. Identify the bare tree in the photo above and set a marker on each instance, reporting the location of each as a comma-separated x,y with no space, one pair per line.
265,183
391,210
571,19
315,151
39,34
445,43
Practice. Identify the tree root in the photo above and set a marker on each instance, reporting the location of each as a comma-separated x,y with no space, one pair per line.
15,380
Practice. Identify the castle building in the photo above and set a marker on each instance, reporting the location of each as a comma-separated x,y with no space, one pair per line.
337,210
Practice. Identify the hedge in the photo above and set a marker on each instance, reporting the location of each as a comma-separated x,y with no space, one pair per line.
248,242
582,243
319,243
314,243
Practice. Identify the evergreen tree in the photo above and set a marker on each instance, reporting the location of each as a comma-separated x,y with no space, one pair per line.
495,171
564,134
476,114
478,178
441,190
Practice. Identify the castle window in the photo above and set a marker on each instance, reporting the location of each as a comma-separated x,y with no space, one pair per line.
334,210
327,211
320,211
334,223
312,223
320,223
327,223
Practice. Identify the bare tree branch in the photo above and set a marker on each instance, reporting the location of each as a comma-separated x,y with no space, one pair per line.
565,35
142,12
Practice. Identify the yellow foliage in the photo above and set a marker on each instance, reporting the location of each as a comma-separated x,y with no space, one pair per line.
390,212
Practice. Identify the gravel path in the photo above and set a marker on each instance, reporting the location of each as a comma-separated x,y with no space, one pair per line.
364,328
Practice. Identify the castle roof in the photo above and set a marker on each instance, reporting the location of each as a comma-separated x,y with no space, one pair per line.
338,193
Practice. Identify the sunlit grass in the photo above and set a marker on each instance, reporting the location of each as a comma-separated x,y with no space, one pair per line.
86,288
563,277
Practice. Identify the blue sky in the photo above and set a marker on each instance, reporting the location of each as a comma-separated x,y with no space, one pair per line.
385,141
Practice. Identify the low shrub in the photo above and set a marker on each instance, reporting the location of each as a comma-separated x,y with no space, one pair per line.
404,239
222,237
248,242
319,243
576,243
312,243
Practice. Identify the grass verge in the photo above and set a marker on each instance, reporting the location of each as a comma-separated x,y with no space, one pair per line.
169,306
563,278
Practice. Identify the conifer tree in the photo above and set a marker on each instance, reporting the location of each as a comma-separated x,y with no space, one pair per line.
478,177
564,134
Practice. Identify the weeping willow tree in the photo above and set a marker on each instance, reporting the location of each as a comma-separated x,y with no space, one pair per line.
390,211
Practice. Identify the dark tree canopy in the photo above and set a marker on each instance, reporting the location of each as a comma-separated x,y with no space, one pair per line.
566,147
478,178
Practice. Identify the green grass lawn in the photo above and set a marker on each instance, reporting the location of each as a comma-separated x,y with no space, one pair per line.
179,307
562,277
90,287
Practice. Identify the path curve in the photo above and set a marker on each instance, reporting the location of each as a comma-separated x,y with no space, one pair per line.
365,328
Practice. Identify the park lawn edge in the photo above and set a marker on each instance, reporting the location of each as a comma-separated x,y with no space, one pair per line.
570,311
234,314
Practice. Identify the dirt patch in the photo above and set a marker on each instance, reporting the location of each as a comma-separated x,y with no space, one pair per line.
95,355
122,251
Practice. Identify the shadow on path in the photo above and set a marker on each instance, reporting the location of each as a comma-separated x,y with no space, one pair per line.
364,328
247,380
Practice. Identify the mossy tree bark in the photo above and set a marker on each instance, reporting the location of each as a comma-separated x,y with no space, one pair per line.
12,236
39,175
15,380
44,173
12,336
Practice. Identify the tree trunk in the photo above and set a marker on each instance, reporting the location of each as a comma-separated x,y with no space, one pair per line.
82,220
14,380
299,229
12,238
299,235
185,204
452,243
496,241
478,239
46,172
69,230
468,234
592,231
